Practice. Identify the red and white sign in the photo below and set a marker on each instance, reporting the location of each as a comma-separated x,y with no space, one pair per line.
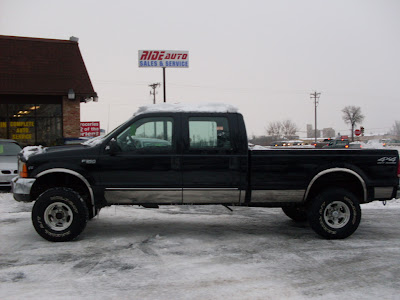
90,129
163,59
357,132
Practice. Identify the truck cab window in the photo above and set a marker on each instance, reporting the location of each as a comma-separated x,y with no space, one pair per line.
152,135
209,133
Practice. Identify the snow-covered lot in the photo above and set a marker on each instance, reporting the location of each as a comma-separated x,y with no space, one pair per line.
199,252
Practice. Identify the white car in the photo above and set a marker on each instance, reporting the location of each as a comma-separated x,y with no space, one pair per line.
8,161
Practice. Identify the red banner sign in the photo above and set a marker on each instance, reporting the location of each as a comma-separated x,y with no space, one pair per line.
90,129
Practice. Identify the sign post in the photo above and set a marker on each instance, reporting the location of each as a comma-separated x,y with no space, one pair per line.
165,95
163,59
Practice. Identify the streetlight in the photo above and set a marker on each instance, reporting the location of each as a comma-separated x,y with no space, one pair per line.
71,94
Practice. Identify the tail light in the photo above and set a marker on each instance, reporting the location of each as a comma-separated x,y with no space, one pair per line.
347,146
398,168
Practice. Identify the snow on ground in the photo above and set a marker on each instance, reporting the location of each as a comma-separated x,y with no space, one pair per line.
199,252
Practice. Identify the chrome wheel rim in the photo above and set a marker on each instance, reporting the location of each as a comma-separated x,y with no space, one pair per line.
58,216
337,214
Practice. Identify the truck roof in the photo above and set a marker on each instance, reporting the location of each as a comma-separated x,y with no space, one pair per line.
187,107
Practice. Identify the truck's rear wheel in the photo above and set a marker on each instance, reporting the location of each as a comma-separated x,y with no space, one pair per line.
59,214
296,213
335,213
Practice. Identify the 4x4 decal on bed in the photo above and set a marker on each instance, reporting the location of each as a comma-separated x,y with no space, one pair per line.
387,160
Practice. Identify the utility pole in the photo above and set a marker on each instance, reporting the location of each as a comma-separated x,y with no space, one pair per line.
315,96
154,86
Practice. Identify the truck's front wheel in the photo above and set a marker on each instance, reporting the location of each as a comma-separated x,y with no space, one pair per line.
335,213
59,214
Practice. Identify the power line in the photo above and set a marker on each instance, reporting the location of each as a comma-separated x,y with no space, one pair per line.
219,87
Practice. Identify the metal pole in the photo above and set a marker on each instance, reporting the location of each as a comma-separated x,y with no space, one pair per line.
164,85
315,118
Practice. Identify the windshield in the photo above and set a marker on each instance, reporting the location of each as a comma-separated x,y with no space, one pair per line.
99,139
9,149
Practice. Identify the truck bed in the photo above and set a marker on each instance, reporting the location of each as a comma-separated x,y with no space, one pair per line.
286,173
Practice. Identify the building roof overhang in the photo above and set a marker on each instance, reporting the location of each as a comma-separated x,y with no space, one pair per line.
35,66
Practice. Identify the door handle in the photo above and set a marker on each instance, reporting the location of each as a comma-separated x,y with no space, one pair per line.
234,163
175,163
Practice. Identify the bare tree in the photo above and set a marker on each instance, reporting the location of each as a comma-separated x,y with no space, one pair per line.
352,115
396,129
283,128
274,129
289,128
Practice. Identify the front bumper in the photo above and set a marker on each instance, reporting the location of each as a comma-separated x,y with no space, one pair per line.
21,188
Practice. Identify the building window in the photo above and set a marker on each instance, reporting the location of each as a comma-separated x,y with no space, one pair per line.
3,121
31,124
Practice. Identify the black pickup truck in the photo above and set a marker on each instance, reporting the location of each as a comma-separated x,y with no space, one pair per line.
177,154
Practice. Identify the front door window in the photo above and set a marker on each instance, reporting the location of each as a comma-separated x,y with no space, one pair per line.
148,135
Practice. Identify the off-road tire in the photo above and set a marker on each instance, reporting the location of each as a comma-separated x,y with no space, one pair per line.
296,213
59,214
334,213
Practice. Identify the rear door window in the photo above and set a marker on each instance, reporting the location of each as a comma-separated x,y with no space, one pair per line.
209,133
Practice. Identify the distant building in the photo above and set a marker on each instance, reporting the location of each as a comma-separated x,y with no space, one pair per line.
42,84
311,132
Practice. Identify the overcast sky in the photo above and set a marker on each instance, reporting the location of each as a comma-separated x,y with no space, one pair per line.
265,57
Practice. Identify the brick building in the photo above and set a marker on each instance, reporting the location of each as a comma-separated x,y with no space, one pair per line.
42,83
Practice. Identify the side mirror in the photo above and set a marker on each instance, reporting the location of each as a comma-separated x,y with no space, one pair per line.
112,146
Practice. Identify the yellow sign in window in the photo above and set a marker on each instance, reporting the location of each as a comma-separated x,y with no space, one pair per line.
22,124
21,136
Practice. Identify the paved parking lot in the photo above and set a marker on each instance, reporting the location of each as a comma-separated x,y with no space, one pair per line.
200,252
